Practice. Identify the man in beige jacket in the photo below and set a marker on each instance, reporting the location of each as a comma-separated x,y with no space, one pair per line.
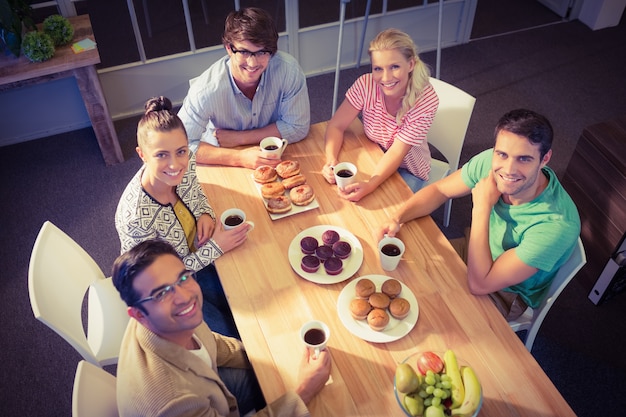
172,364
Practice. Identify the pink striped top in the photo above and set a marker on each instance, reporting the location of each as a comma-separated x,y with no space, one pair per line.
381,127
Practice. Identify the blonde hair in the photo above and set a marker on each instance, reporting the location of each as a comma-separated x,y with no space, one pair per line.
395,39
157,117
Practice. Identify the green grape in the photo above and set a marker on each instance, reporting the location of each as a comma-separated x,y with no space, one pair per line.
438,385
445,377
438,392
423,394
428,401
436,401
430,379
430,389
446,384
446,394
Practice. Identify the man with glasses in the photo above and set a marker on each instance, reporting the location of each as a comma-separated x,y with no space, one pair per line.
172,364
253,92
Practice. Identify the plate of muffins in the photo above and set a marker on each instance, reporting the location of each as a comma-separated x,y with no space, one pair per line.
325,254
377,308
284,189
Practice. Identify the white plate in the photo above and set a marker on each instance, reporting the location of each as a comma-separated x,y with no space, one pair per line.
395,330
350,265
294,209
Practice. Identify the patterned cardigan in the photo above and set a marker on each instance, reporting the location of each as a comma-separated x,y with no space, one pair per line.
140,217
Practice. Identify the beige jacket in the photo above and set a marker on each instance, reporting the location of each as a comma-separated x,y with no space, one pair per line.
158,378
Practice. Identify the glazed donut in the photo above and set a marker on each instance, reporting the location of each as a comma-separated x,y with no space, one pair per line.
301,195
288,169
280,204
272,189
294,181
264,173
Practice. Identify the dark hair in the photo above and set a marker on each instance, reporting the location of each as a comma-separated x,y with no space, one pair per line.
533,126
251,24
132,263
158,116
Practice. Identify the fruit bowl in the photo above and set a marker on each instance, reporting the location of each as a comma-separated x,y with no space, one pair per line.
430,381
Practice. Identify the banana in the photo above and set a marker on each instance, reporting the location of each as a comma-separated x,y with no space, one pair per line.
472,394
457,393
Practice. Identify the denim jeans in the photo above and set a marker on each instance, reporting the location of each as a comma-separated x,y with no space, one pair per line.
215,308
414,183
242,383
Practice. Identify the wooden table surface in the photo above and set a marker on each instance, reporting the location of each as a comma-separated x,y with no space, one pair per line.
270,301
21,72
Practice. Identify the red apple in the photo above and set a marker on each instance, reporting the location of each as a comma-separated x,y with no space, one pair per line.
429,361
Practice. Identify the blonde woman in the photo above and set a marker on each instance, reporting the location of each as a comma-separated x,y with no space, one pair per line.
164,200
397,105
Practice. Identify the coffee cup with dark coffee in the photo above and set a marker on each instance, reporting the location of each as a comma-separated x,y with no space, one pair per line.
390,250
273,146
314,334
234,217
345,174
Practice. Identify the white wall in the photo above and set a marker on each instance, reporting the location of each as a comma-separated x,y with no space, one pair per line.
56,107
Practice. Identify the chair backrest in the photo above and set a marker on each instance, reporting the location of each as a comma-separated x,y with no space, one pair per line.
94,392
60,275
564,275
447,133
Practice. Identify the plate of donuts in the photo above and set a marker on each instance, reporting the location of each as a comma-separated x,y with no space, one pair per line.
377,308
284,189
325,254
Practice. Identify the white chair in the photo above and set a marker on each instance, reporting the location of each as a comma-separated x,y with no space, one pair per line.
447,132
532,318
94,392
59,275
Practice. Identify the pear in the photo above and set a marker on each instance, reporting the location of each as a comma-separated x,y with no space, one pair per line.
407,379
414,404
434,411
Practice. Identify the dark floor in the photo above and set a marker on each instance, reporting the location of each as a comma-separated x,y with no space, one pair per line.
568,72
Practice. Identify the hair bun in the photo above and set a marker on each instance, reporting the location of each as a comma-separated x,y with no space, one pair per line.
158,104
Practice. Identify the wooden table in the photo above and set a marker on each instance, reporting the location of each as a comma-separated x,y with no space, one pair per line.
19,72
270,301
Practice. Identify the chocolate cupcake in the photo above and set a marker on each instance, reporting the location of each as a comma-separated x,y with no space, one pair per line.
342,249
333,266
323,253
310,263
308,244
329,237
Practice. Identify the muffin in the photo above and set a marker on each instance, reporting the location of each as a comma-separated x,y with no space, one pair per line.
359,308
399,308
378,319
379,300
329,237
391,287
333,266
310,263
324,253
308,244
364,288
341,249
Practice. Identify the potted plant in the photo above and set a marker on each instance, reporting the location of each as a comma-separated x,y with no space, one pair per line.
15,18
37,46
59,29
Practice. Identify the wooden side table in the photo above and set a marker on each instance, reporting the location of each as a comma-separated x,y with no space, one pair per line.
19,72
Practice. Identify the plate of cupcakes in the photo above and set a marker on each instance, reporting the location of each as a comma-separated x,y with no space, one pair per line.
377,308
325,254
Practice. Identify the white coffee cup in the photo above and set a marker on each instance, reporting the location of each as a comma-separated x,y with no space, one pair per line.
345,174
390,250
234,217
273,145
314,334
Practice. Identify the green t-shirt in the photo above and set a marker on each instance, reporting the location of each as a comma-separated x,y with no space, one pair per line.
543,232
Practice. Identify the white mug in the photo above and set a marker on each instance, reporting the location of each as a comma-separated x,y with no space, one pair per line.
234,217
345,174
390,250
273,145
314,334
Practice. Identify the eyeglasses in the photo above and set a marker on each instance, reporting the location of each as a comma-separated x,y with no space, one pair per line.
166,292
245,54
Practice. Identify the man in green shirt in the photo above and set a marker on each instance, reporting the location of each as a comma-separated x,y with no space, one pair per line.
524,224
